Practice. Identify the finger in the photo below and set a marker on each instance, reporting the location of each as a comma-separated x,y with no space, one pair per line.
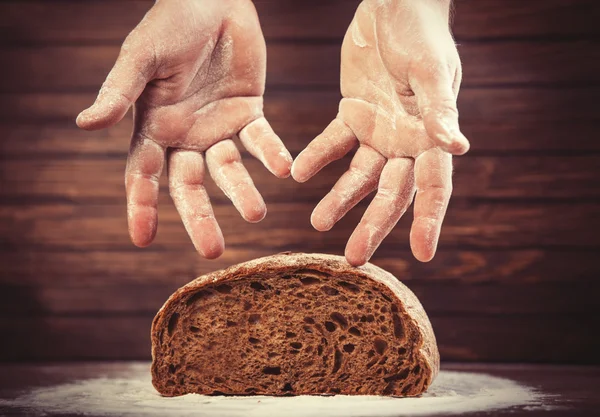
437,104
335,142
144,166
262,142
433,177
396,190
123,85
186,185
356,183
225,166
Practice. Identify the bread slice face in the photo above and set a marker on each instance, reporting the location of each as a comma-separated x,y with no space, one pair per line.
293,324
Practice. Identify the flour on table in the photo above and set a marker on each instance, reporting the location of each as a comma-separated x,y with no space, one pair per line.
132,394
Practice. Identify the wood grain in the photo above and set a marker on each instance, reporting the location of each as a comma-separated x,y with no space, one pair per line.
532,338
96,21
468,224
307,65
101,179
131,266
496,121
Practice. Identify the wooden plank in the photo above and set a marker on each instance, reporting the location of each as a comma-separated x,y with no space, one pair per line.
518,339
110,22
131,266
438,298
498,120
101,179
471,224
101,21
494,19
503,338
306,65
98,268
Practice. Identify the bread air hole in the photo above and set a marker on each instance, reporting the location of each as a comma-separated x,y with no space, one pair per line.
380,345
350,287
198,296
309,281
223,289
398,329
354,331
172,323
271,370
340,319
329,290
257,286
337,361
401,376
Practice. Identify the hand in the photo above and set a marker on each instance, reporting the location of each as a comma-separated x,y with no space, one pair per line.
399,78
195,70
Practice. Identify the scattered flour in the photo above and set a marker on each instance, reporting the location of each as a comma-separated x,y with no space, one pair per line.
132,394
357,36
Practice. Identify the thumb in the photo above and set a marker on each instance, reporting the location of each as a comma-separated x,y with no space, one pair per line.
437,104
124,84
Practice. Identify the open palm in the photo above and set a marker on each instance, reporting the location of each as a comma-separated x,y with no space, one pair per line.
399,78
196,73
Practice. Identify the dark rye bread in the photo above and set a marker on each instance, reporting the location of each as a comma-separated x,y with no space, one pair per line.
294,324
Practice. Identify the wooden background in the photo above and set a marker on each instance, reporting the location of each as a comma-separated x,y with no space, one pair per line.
516,276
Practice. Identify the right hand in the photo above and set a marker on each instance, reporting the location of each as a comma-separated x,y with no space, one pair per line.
400,76
195,70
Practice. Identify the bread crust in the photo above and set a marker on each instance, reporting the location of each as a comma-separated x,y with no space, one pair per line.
329,264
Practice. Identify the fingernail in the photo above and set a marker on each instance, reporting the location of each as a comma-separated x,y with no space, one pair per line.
452,138
295,169
461,143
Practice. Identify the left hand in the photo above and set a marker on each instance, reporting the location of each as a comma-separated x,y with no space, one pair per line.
400,77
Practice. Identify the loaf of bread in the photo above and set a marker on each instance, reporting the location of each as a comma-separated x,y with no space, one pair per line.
294,324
